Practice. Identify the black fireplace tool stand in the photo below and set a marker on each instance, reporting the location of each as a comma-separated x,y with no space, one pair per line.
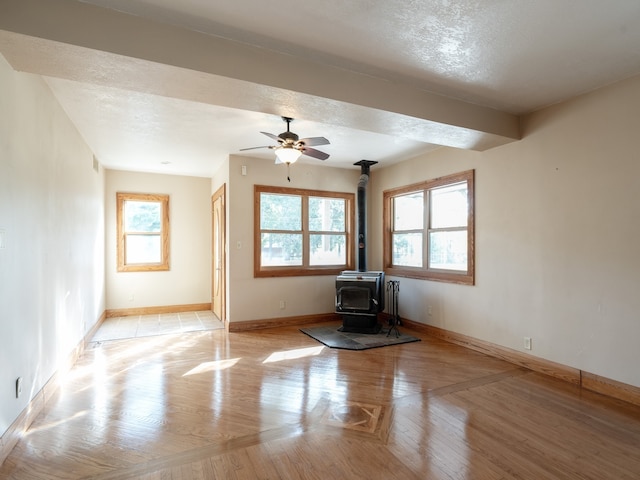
393,287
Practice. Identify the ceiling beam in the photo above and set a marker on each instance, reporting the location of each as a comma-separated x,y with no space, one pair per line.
86,43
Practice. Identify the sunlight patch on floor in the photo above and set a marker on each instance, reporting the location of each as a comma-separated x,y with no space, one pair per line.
212,366
55,423
293,354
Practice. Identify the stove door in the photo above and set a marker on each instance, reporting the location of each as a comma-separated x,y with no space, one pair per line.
353,299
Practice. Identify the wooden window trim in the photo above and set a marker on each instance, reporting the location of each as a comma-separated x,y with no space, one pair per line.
465,278
305,269
163,265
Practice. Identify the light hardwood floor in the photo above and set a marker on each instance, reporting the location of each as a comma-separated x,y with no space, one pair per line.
274,404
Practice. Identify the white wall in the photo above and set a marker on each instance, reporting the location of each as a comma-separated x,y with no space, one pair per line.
189,280
259,298
557,235
51,212
221,177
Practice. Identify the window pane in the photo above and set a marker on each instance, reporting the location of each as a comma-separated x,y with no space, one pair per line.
280,249
280,212
142,216
302,232
327,250
142,249
448,250
326,214
407,249
449,206
408,211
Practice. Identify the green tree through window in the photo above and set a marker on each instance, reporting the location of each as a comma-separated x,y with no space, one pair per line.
429,229
302,232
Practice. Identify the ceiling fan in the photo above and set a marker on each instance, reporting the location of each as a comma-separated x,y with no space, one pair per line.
290,146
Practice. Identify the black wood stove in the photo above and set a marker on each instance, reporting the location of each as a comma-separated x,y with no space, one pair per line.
360,293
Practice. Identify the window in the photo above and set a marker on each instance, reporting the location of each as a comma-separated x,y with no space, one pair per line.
429,229
143,232
302,232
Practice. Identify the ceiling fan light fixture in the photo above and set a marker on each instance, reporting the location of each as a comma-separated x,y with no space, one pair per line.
288,154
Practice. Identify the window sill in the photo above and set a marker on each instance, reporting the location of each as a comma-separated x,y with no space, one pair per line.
462,278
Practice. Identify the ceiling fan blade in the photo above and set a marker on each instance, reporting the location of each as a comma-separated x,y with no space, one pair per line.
272,136
312,152
253,148
314,141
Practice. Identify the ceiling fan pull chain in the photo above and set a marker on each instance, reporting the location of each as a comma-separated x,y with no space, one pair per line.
288,166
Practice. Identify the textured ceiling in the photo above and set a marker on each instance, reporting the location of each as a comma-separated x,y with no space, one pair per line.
512,55
508,56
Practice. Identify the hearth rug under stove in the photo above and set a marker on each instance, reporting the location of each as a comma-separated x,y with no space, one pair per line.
332,337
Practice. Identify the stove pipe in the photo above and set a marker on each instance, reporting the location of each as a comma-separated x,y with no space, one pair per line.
362,212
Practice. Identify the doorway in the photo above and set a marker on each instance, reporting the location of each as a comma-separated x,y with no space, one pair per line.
218,254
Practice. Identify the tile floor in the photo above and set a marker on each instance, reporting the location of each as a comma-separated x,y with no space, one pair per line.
133,326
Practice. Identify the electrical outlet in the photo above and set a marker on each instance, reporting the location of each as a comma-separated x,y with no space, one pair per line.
283,304
18,387
429,310
527,343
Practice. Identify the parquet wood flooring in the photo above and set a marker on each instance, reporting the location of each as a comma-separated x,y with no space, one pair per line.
275,404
